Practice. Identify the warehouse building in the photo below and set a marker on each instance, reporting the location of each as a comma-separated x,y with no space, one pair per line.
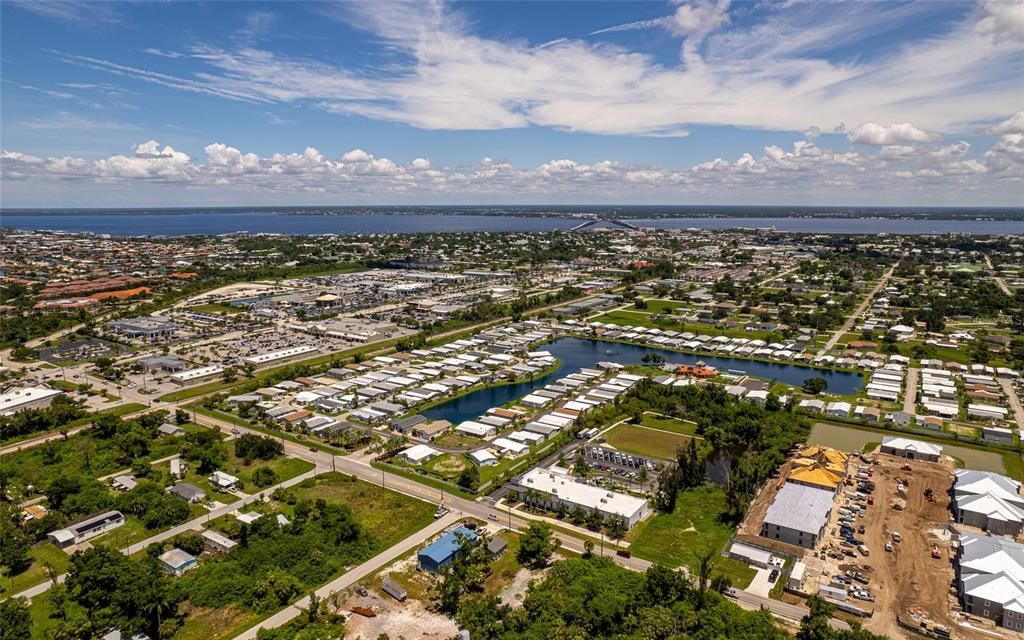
195,376
281,355
442,551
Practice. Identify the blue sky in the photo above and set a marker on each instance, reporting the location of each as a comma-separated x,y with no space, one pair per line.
702,101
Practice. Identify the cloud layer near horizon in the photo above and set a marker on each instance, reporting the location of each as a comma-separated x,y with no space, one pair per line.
884,157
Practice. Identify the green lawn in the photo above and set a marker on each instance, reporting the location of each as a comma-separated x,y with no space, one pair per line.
694,528
447,466
454,440
662,306
40,610
390,516
422,478
665,423
645,442
41,554
284,466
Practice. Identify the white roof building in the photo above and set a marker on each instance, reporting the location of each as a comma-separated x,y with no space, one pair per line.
991,578
26,398
418,454
563,488
907,448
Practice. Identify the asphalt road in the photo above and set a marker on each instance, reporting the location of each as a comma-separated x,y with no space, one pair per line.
852,318
910,391
460,507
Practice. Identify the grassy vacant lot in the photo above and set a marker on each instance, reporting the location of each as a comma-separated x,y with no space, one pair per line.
644,441
390,516
283,466
42,554
662,306
665,423
447,466
694,528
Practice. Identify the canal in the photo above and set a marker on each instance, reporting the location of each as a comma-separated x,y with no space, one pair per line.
577,353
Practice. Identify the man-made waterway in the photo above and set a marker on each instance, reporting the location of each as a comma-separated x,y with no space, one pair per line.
577,353
848,439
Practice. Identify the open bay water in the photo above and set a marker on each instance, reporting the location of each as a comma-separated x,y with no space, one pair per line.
213,222
577,353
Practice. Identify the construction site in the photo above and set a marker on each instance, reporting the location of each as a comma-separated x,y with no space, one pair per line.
884,554
887,546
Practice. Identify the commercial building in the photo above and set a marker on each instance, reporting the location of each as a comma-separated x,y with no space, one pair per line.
798,515
281,355
195,376
912,449
145,328
21,398
990,578
989,501
85,529
558,487
442,551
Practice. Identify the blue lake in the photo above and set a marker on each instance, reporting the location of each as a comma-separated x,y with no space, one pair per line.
577,353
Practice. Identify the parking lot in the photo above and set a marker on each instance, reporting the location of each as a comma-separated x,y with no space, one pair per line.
621,467
880,546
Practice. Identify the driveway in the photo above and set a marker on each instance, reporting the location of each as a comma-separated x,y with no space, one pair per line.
759,585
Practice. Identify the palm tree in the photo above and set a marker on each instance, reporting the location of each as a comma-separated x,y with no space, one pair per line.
705,564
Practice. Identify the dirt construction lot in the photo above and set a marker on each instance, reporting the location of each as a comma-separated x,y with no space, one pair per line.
906,582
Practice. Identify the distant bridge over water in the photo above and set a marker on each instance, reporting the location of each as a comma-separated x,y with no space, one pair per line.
593,221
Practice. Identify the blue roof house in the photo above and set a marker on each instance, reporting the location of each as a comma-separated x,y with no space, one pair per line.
441,552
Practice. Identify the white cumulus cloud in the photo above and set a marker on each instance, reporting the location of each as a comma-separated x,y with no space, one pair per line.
901,133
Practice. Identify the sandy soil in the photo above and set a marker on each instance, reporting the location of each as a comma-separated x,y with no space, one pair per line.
407,619
906,582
